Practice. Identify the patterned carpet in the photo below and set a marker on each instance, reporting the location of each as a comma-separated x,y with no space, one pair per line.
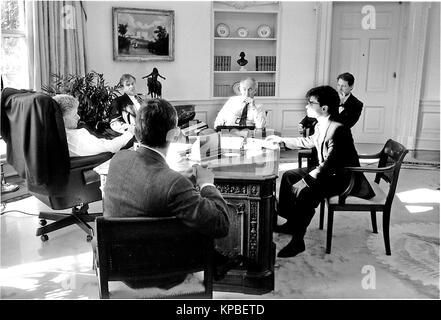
416,251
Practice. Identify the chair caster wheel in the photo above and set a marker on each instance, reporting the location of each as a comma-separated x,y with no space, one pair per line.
89,238
44,238
43,222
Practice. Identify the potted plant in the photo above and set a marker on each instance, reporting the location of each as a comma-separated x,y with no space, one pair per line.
93,94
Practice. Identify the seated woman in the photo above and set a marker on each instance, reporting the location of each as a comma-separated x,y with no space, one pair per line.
80,142
124,109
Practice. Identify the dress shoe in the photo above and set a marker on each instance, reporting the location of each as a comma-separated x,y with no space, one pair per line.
284,228
293,248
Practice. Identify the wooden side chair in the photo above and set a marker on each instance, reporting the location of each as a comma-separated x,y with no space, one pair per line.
388,170
150,250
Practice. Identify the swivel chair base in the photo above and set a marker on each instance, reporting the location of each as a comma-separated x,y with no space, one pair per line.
79,216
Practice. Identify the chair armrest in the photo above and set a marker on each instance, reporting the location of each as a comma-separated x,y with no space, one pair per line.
369,156
369,170
95,160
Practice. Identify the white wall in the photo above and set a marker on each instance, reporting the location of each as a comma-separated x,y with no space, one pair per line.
428,134
187,77
297,48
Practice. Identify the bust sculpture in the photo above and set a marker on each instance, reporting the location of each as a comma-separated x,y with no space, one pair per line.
242,62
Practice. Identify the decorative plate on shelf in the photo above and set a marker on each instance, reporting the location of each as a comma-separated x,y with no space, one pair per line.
236,89
222,30
242,32
264,31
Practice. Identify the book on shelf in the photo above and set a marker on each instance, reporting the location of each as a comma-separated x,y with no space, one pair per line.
222,63
222,90
266,89
265,63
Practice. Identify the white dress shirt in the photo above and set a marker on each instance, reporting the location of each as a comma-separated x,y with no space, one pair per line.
232,111
81,143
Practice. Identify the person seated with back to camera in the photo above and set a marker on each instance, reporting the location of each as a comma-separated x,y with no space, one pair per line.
80,141
168,193
124,109
242,110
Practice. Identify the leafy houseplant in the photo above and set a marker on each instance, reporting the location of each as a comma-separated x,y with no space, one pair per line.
93,94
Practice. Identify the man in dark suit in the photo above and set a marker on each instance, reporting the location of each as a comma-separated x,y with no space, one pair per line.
301,190
350,107
124,109
141,184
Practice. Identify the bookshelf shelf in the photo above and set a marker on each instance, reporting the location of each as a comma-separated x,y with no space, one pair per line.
245,72
261,52
244,39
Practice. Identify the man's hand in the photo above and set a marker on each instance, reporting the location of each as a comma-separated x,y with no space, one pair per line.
301,128
342,96
131,129
250,102
274,139
203,175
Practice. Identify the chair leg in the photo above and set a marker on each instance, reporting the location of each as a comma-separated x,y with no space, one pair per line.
103,285
329,230
322,214
64,222
374,221
299,160
386,221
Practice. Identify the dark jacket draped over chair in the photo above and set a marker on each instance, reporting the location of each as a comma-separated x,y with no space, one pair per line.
33,124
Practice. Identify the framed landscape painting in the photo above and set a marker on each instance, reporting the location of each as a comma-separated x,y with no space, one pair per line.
143,34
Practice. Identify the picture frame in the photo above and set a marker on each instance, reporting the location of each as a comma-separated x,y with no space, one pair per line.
143,34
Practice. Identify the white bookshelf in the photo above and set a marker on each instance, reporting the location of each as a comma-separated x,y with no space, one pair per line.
250,16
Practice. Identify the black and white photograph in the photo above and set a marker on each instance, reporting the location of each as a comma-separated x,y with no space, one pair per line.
246,153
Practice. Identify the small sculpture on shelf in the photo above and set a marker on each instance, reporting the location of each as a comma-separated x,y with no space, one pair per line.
242,62
153,85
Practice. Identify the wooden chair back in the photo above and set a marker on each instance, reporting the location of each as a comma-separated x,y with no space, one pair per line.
144,249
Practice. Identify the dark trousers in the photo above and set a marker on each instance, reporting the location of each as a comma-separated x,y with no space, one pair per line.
297,202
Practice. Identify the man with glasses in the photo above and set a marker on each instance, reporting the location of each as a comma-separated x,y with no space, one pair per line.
301,190
242,110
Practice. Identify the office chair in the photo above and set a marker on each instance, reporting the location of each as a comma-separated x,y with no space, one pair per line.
33,129
151,250
389,165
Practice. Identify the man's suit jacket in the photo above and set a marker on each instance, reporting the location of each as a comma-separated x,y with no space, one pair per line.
351,111
123,110
141,184
335,151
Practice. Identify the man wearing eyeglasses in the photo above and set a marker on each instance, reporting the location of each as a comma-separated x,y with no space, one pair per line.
301,190
242,110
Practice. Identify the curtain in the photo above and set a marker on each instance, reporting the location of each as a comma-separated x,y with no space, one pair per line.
57,40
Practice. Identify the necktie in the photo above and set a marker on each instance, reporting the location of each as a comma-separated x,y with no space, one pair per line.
243,117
